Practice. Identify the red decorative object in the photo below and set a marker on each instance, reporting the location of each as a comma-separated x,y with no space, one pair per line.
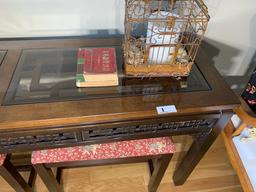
2,158
122,149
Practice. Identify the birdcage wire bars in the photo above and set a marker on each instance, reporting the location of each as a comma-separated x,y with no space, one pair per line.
162,37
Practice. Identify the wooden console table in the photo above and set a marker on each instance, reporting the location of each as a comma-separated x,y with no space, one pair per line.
42,108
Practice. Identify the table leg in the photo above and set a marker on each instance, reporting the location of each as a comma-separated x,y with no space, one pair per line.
199,147
13,177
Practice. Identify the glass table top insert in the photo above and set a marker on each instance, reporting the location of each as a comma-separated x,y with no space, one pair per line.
48,75
2,54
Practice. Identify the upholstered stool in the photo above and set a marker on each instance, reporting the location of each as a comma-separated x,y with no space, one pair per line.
157,151
12,176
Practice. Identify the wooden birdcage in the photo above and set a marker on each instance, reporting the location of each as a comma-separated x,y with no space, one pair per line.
162,36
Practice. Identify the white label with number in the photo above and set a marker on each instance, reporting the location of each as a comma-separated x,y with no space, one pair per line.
166,109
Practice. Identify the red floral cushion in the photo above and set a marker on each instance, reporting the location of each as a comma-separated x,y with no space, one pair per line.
2,158
122,149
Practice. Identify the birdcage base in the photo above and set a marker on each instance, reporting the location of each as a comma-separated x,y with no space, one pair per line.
176,70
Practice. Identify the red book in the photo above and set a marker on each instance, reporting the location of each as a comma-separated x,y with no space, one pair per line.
98,60
96,67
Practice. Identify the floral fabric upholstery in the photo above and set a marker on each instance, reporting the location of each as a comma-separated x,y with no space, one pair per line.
122,149
2,158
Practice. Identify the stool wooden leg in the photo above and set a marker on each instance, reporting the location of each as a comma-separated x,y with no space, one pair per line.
13,177
32,178
59,176
159,168
151,166
48,178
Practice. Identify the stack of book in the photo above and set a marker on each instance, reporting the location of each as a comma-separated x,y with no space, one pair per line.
96,67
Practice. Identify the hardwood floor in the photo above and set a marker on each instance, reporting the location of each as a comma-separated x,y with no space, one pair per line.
213,174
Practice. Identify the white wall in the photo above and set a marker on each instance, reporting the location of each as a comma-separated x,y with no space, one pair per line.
231,31
22,18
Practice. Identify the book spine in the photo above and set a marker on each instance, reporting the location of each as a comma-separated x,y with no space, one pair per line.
80,68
